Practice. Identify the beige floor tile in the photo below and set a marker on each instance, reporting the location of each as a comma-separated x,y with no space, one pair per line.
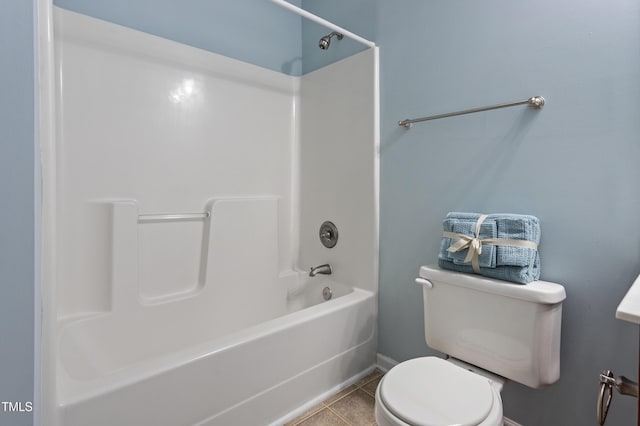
323,417
371,387
344,392
356,408
306,414
371,376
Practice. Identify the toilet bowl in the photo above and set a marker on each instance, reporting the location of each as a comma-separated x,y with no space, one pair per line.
431,391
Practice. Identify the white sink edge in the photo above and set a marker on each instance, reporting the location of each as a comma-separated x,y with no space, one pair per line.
629,307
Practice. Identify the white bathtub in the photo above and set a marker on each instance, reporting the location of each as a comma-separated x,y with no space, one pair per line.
193,372
201,321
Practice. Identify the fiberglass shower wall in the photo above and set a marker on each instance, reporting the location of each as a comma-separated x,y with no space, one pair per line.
189,192
339,167
192,185
152,127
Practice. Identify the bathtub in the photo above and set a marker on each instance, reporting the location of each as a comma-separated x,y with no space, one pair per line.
203,369
170,296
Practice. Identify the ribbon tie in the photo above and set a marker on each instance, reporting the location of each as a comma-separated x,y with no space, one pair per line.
473,244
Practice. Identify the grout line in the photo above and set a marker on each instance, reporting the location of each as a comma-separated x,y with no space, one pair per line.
361,387
324,405
380,373
323,396
368,393
339,416
356,389
342,397
309,415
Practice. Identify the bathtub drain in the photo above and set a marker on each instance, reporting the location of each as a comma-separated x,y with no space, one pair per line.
327,293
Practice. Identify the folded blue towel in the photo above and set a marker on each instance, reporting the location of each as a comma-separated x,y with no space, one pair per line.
517,227
516,264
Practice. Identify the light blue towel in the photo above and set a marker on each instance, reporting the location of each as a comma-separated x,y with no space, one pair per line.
516,264
517,227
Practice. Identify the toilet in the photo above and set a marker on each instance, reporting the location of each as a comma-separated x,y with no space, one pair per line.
491,331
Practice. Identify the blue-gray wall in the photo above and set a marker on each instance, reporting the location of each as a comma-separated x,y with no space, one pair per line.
16,208
573,164
254,31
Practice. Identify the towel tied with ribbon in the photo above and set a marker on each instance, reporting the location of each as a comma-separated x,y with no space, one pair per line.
509,243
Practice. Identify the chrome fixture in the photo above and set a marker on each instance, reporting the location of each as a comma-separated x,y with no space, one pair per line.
322,269
326,40
607,383
536,102
327,293
328,234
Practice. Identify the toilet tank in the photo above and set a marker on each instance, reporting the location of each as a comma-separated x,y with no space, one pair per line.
512,330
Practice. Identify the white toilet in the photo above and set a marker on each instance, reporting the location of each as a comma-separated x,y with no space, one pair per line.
491,331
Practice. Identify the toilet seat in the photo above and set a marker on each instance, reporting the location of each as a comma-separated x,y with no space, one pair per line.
430,391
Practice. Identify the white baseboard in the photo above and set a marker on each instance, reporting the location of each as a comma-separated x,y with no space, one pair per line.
386,363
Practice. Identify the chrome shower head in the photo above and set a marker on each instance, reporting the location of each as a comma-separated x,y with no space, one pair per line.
326,40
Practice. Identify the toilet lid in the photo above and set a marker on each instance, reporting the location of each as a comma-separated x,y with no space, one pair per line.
433,392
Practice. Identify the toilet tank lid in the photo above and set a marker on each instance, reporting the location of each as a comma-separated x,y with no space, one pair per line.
535,291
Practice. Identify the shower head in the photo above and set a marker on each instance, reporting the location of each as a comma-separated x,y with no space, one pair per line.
326,40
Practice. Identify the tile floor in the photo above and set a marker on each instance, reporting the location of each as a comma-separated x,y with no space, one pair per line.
352,406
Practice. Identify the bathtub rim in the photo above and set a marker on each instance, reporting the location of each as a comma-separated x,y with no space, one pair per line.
122,343
79,391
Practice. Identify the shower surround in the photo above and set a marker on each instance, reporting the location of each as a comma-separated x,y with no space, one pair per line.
189,192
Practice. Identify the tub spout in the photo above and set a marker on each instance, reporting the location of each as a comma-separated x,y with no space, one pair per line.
322,269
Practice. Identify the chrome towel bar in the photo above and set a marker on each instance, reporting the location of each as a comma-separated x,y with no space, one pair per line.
536,102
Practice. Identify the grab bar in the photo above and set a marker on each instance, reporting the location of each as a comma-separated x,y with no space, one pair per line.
536,102
172,217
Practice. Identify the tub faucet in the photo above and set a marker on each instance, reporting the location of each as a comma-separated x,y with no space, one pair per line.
322,269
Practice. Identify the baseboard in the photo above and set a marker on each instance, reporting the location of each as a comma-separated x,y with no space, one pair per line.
386,363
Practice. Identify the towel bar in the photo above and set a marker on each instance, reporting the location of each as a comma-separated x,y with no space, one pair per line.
536,102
